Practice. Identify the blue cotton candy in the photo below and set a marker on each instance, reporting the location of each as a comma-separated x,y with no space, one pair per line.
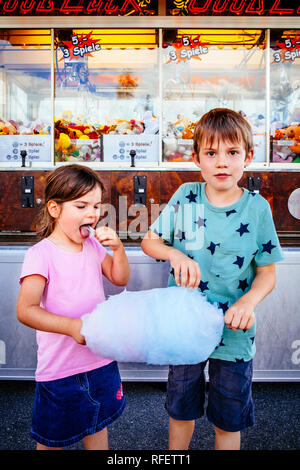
172,325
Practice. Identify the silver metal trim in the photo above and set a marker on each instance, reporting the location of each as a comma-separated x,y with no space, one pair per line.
267,97
160,96
160,374
52,97
150,21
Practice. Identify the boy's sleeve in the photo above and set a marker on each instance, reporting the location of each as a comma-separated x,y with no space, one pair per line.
269,249
164,225
35,262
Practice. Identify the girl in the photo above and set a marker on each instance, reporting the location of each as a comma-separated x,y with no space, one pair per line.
77,393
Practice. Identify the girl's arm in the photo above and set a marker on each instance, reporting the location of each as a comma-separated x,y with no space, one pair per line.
31,314
116,267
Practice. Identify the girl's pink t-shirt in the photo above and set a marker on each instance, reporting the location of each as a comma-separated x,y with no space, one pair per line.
74,286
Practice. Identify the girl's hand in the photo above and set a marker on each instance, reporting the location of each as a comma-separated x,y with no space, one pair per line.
108,237
240,316
76,326
186,271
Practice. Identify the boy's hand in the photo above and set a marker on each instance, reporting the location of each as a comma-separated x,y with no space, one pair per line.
186,271
75,331
240,316
108,237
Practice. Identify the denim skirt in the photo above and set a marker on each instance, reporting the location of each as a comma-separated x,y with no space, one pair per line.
68,409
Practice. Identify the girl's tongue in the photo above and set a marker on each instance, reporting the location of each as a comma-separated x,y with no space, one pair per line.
84,231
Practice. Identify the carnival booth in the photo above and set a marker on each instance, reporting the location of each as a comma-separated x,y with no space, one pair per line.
119,85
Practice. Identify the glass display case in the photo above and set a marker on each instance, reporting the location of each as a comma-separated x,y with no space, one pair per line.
94,95
106,95
285,96
205,69
25,95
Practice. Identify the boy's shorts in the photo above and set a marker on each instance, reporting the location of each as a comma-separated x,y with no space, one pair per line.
230,406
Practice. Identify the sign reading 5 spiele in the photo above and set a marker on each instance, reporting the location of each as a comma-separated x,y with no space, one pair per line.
288,50
80,45
233,7
188,48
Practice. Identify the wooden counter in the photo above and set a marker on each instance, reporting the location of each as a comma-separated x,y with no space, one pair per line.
18,224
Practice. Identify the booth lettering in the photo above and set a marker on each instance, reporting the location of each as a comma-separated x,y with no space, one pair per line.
74,8
233,7
149,7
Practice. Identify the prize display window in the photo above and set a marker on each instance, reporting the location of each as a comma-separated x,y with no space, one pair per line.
285,96
205,69
106,95
96,95
25,96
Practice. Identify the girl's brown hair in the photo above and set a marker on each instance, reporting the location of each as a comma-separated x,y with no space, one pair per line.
65,183
224,124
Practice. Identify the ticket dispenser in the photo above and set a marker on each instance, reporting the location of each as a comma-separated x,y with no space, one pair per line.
27,191
254,183
140,190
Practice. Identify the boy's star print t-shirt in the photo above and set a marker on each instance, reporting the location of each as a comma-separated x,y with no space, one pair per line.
228,243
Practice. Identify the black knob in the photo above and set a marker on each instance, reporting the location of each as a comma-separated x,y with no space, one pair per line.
23,155
132,154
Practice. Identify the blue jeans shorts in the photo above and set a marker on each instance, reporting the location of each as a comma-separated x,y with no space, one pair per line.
66,410
229,405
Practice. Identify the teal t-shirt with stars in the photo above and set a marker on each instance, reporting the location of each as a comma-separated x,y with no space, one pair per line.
228,243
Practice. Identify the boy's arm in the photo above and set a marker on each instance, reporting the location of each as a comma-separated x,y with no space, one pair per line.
241,314
31,314
115,268
186,271
155,247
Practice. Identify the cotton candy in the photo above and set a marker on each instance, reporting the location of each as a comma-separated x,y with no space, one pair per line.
172,325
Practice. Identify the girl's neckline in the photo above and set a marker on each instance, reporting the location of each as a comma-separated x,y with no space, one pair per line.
65,251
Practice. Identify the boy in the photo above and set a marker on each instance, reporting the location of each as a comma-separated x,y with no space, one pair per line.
234,267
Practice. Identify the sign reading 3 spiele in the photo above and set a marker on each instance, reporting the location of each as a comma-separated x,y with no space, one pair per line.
80,46
289,50
233,7
188,48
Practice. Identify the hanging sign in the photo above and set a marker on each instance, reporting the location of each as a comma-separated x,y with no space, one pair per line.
233,7
80,46
186,49
288,50
78,8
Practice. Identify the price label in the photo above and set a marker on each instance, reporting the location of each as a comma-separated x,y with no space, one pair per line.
38,148
116,148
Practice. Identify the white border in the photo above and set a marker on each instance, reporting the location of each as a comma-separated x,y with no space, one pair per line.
248,22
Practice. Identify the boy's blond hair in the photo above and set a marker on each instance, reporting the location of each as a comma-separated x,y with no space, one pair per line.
224,124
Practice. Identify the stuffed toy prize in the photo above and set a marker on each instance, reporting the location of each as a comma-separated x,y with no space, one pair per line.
162,326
